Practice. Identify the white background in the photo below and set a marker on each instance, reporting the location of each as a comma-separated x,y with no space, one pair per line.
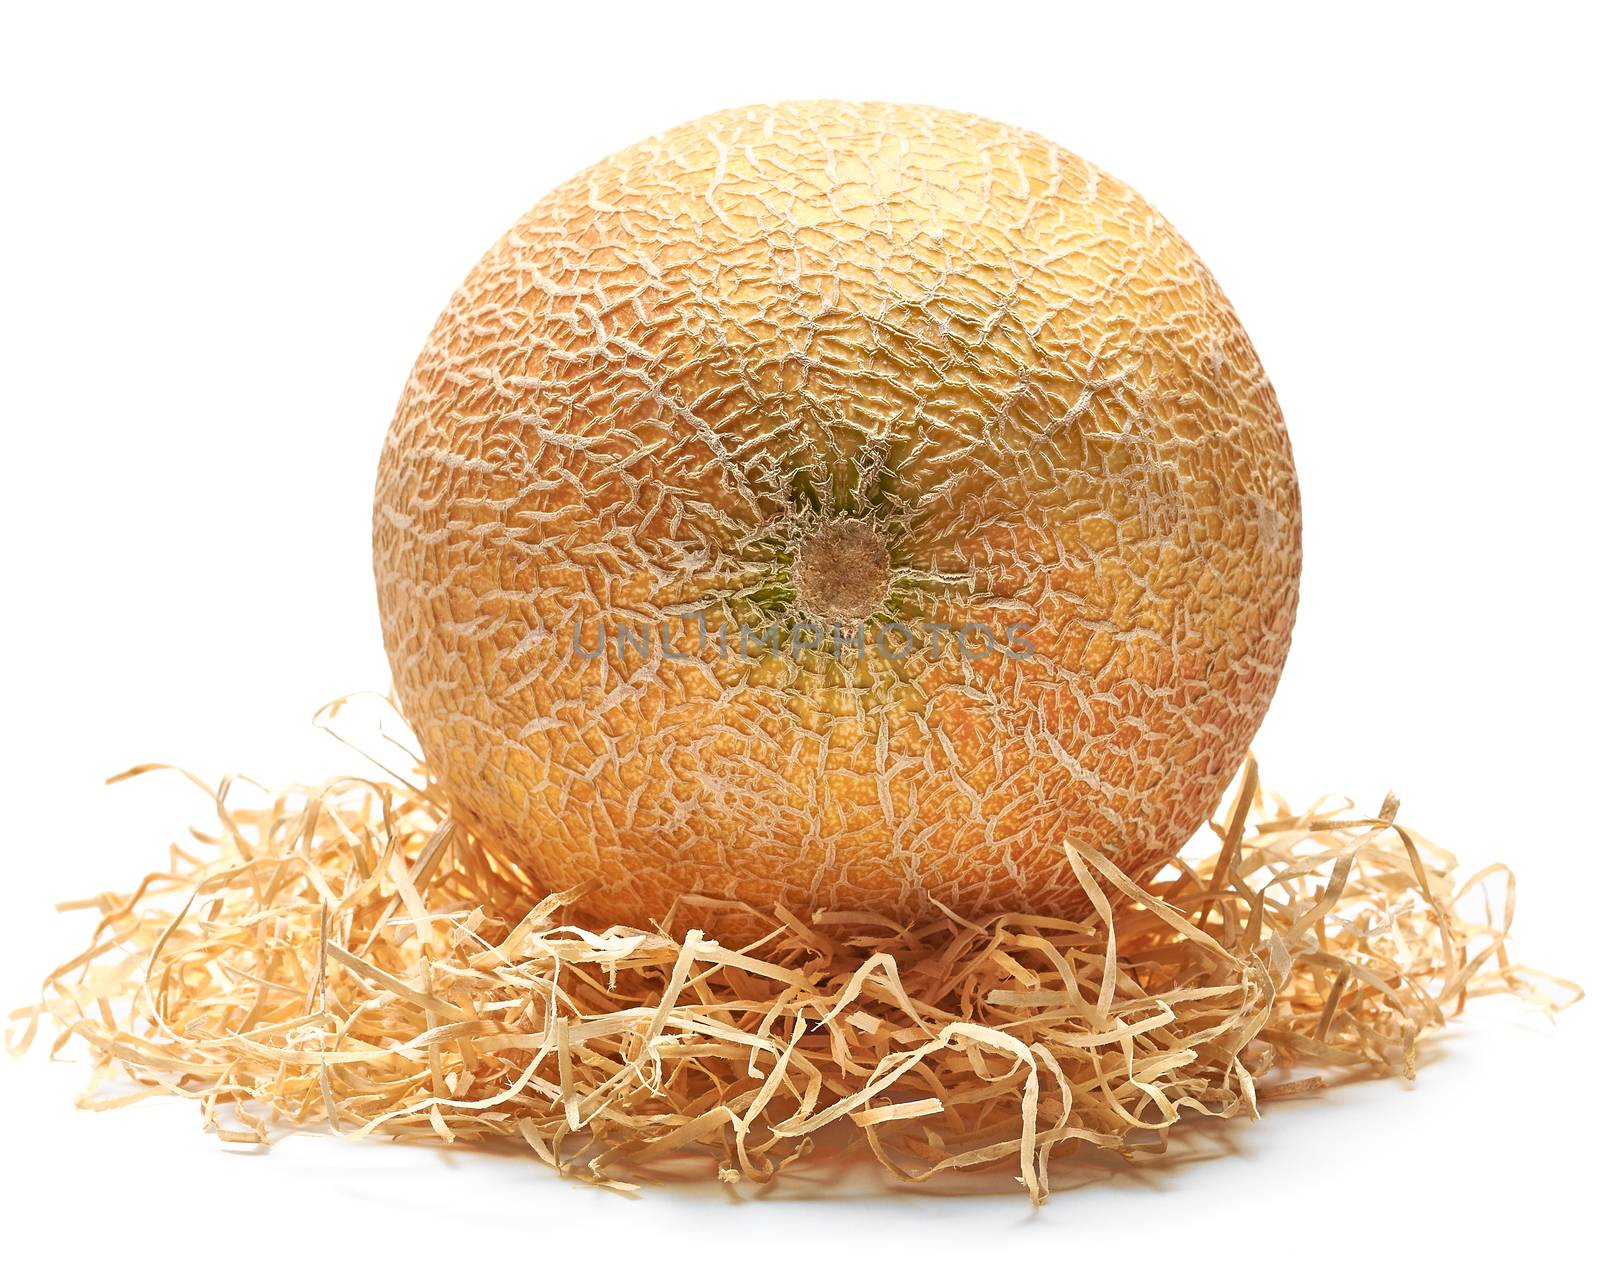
223,238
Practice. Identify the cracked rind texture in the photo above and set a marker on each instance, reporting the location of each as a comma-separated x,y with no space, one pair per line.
685,360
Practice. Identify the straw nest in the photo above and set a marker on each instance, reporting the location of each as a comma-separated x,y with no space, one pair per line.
343,955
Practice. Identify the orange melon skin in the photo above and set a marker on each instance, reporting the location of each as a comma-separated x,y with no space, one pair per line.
648,398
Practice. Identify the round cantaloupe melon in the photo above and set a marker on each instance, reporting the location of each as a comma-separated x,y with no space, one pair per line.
836,506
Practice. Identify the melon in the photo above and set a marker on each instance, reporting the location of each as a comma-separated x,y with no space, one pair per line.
835,506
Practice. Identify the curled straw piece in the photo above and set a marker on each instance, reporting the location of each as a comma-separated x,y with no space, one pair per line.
346,955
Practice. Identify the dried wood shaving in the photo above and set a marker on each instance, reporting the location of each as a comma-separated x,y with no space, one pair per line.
346,956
